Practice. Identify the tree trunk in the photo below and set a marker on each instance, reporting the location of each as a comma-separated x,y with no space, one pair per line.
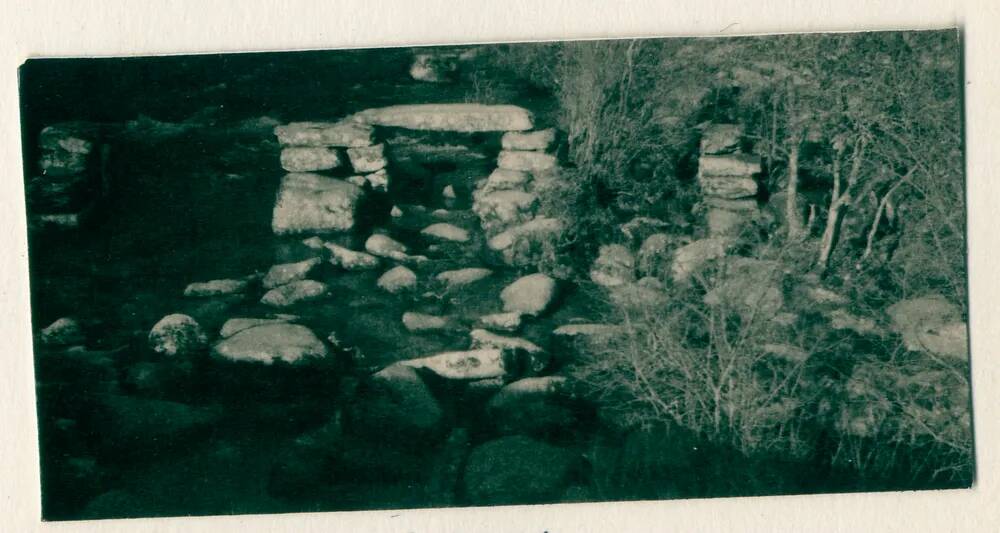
795,230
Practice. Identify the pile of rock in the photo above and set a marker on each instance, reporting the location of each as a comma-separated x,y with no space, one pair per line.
507,201
728,180
70,179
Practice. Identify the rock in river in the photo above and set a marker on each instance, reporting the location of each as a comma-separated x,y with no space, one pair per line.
294,292
419,322
349,259
443,231
176,334
397,280
271,342
217,287
286,273
530,295
463,276
470,364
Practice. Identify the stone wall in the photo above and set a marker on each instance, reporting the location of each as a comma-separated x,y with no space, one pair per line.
728,180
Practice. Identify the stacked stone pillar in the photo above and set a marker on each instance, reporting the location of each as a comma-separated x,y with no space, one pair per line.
70,178
728,180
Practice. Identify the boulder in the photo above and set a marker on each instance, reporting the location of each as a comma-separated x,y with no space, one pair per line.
500,209
504,180
721,138
217,287
62,332
395,403
529,295
384,246
524,244
270,342
294,293
397,279
349,259
445,232
463,276
728,188
177,334
314,203
467,365
539,140
733,165
501,321
532,357
310,158
533,162
236,325
367,159
693,257
517,469
420,322
614,266
286,273
343,134
930,324
449,117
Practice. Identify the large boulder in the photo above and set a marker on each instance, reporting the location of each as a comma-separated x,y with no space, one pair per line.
526,243
397,279
449,117
310,158
395,403
931,324
614,266
517,469
294,293
539,140
500,209
530,295
177,334
692,258
270,342
314,203
344,134
286,273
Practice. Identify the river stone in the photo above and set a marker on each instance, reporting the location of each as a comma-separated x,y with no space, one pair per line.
349,259
693,257
501,321
533,162
310,158
177,334
463,276
396,212
286,273
395,403
368,158
728,188
721,138
526,243
62,332
384,246
530,295
464,365
532,140
343,134
500,209
482,338
236,325
449,117
734,165
314,203
420,322
217,287
614,266
502,179
266,343
517,469
397,279
294,293
443,231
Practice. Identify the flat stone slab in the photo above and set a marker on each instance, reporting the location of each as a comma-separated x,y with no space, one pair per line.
463,276
449,117
313,203
310,158
535,140
443,231
267,343
343,134
470,364
216,287
526,161
738,165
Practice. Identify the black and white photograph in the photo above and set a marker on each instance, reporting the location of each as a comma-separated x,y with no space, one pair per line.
481,275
